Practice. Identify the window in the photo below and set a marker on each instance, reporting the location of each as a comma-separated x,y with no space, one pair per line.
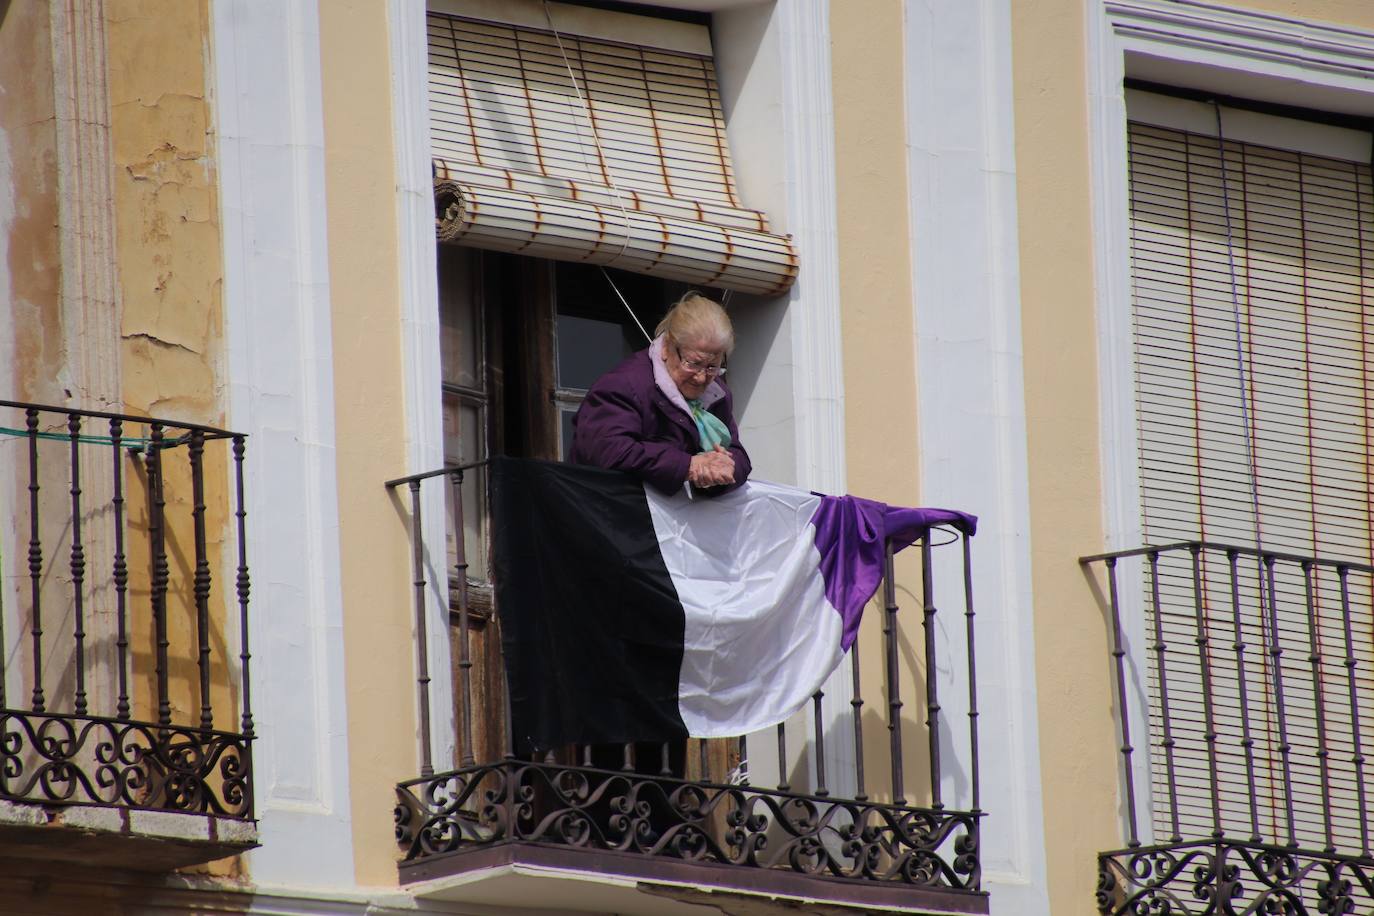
1253,350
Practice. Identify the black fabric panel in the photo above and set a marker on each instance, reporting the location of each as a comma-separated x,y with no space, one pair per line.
591,625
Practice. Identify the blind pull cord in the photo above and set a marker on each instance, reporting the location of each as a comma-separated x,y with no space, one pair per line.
1247,421
621,297
596,137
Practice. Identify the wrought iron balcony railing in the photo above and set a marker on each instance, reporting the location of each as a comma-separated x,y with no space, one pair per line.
622,811
120,651
1249,671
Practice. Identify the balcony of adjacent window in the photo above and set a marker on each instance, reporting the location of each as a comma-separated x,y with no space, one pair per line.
125,726
1243,691
765,821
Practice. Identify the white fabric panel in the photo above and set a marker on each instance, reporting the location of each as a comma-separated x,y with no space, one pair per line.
747,573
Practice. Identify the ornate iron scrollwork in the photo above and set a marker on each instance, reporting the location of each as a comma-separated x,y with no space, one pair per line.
57,759
695,822
1233,879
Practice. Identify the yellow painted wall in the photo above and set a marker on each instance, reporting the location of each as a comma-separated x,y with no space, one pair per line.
370,417
28,148
166,207
1079,759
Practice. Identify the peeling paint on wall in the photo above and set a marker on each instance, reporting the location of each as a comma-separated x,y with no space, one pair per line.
166,211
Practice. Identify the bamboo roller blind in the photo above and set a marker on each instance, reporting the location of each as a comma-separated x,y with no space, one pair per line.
518,167
1302,231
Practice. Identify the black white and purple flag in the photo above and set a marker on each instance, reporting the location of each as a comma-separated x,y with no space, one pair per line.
628,615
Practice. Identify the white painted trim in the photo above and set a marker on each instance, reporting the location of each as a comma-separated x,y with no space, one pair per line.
814,301
419,315
972,415
1255,55
270,128
1262,44
1116,378
813,306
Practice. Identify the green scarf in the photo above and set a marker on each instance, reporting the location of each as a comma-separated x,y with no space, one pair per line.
710,427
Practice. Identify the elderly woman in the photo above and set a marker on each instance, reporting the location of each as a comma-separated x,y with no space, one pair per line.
664,415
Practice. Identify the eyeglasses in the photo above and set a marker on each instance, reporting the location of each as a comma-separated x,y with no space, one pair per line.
693,367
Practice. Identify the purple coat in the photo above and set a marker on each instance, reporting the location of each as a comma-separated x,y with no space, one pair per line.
627,423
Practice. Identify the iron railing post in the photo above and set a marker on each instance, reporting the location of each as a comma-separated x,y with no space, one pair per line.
932,671
465,652
1124,719
421,636
894,697
972,674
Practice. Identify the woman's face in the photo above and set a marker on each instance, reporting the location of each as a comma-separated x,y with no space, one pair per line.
692,368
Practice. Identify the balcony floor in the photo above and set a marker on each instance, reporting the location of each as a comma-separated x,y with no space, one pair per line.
110,837
526,875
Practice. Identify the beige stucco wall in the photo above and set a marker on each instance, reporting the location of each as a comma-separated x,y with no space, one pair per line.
1077,734
370,416
28,205
167,218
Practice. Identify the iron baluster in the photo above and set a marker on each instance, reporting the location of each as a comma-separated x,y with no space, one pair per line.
1315,659
1119,654
894,699
856,706
464,649
35,563
1162,672
1355,737
1208,714
158,534
121,572
1247,741
421,636
703,759
821,790
201,585
627,762
972,673
782,758
1276,666
242,586
78,565
932,681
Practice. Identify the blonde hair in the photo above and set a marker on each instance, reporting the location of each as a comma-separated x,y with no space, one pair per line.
697,322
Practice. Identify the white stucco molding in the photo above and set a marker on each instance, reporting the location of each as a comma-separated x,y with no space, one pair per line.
1320,53
814,302
419,300
1262,56
972,414
270,129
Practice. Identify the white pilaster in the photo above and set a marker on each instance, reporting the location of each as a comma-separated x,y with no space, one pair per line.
971,406
270,129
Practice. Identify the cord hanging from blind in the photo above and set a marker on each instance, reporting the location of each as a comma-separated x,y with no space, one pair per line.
1247,423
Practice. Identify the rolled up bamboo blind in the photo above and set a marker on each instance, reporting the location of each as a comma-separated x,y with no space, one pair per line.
585,149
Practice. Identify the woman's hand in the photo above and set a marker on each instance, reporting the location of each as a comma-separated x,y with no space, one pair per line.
712,469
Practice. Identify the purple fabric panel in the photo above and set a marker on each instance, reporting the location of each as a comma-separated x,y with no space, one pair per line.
849,536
